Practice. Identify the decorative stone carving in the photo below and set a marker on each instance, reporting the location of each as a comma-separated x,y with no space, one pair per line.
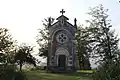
62,38
62,51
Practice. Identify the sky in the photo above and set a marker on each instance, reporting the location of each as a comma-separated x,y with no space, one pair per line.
23,17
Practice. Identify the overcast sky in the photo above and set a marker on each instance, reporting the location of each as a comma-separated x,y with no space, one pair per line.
23,17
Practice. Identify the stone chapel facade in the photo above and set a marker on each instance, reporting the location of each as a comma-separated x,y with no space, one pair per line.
61,45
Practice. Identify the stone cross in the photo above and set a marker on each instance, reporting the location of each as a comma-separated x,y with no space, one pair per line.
62,11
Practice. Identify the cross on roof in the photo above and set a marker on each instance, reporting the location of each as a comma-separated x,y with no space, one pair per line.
62,11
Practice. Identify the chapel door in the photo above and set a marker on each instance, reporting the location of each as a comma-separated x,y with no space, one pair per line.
62,61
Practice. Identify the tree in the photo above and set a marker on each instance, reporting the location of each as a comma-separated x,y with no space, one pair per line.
83,47
105,45
43,36
23,55
7,45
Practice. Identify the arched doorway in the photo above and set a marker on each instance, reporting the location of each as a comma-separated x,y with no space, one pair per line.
62,55
61,61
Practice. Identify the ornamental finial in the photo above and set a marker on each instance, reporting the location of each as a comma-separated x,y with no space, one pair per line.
62,11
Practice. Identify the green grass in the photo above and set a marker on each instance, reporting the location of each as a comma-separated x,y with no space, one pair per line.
41,75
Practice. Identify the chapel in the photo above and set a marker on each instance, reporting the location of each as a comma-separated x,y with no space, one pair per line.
61,45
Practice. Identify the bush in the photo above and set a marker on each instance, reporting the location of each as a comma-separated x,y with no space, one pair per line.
9,73
108,71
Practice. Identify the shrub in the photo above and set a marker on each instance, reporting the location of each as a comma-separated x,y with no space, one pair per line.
9,73
108,71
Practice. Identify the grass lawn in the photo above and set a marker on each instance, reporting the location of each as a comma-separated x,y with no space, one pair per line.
41,75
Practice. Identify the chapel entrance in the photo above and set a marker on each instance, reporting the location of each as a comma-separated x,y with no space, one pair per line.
62,61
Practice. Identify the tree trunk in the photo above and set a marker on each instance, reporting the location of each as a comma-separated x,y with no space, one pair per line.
20,66
79,59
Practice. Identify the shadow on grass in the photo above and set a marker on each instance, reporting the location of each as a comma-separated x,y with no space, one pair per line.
80,73
42,75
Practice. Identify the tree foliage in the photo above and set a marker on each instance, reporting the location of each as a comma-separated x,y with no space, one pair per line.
83,47
43,36
5,39
108,71
23,55
105,43
7,45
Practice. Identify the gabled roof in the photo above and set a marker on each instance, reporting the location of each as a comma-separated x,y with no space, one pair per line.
62,16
